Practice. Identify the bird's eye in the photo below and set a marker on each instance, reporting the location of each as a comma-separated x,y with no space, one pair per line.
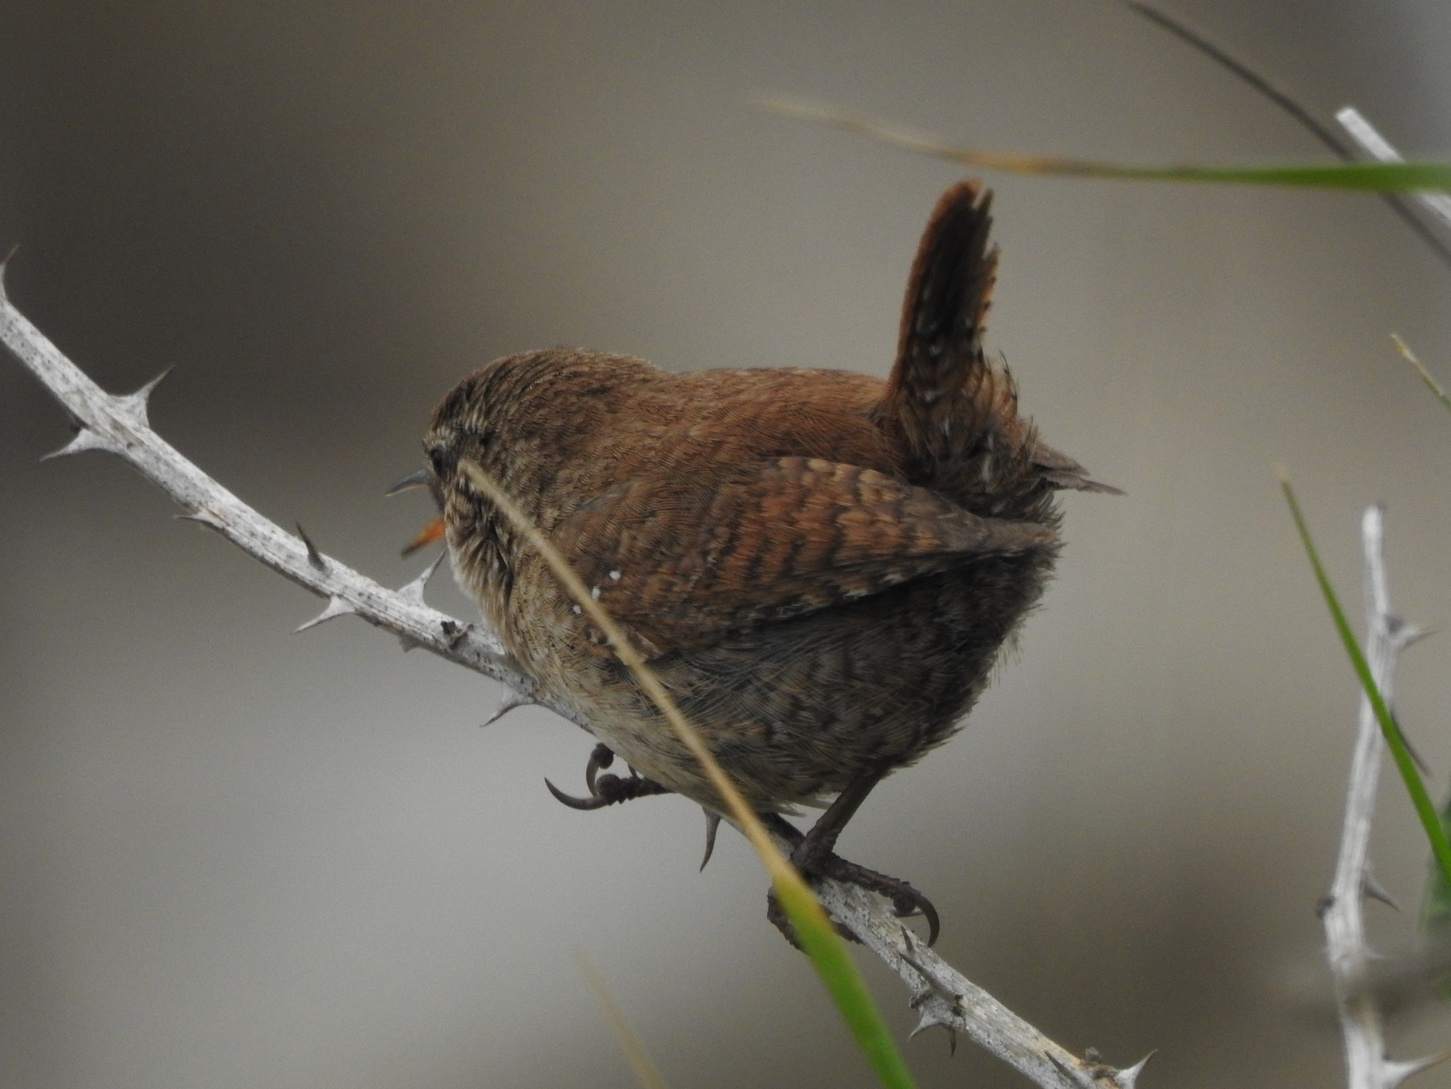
438,458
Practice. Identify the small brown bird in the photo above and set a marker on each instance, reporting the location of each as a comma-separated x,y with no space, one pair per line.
820,566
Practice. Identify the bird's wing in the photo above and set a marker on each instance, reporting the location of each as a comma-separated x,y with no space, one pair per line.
683,561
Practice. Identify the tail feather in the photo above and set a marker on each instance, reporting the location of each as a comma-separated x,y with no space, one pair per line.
942,387
1061,471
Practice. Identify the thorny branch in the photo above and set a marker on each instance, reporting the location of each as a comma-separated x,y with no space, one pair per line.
1366,1063
118,424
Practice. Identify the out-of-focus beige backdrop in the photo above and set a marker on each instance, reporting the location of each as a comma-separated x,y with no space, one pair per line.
236,857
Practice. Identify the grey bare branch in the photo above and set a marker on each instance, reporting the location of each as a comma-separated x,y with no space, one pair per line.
1367,1065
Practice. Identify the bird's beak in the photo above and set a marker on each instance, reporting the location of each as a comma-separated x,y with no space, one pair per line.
419,478
433,531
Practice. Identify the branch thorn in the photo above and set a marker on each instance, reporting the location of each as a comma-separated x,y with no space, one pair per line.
1371,888
202,516
1128,1076
928,1021
314,557
84,439
1397,1072
1410,633
336,607
414,590
512,698
134,404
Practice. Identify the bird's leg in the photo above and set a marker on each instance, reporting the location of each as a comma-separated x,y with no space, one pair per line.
607,789
813,855
774,913
817,845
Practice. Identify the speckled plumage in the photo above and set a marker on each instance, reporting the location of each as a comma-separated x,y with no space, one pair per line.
819,565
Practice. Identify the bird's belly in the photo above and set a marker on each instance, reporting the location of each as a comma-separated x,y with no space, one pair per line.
797,710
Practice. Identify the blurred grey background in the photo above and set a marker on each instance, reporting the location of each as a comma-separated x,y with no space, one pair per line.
236,857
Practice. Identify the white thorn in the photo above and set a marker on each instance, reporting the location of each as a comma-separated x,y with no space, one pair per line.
203,516
1371,887
1410,634
134,404
413,592
1397,1072
928,1021
512,698
336,607
85,439
925,1022
1126,1077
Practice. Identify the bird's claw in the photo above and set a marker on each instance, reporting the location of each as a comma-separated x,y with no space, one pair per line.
606,789
906,900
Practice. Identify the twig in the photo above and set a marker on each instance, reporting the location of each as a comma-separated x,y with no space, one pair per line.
118,424
1367,1066
1379,148
1225,59
1286,102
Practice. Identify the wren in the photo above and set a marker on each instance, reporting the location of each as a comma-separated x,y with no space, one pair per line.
822,567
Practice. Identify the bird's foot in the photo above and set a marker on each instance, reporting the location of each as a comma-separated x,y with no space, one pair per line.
906,899
812,861
607,789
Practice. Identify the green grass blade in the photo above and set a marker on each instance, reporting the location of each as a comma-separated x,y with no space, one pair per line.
1426,376
1436,913
1430,820
1378,177
1436,918
631,1046
843,982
